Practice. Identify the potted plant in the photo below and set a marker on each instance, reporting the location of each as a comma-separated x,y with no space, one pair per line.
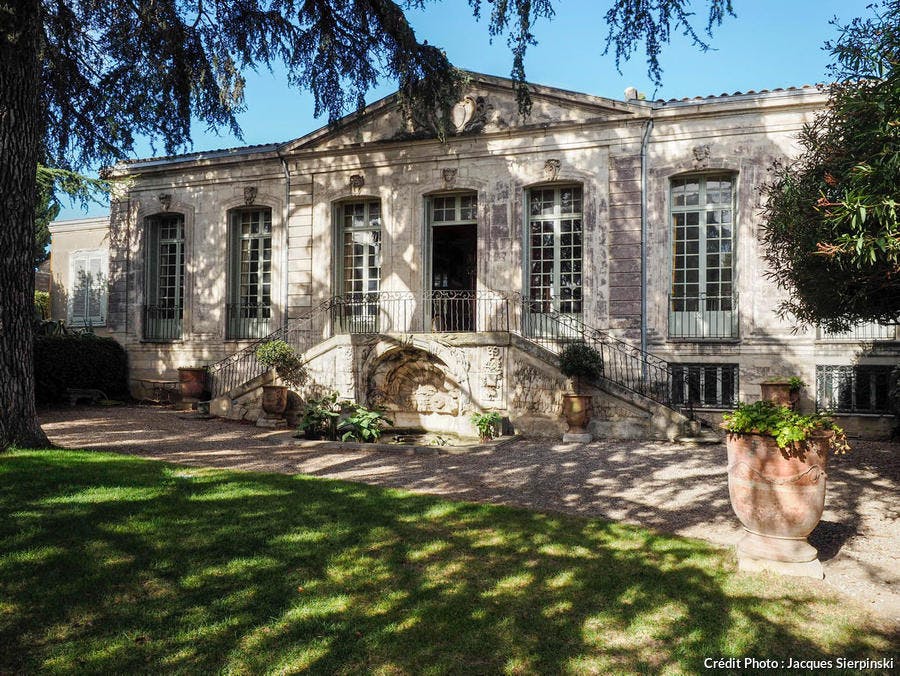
579,361
191,381
784,391
288,367
487,424
776,478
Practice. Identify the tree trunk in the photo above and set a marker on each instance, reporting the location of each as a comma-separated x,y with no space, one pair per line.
20,140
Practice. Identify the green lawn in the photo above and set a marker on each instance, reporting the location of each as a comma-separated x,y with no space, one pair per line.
111,563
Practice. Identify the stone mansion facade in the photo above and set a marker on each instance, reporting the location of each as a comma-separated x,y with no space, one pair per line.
438,277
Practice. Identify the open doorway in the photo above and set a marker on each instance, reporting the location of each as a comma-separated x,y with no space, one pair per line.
454,247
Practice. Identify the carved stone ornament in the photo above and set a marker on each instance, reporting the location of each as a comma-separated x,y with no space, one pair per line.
166,201
357,181
701,156
551,169
449,176
250,195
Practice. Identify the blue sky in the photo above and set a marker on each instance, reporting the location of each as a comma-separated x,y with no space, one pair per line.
769,44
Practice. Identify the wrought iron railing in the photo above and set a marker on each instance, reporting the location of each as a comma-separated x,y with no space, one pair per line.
301,333
869,331
162,322
247,321
440,311
703,317
623,363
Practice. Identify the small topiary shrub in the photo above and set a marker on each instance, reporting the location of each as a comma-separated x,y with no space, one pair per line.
78,361
580,361
280,356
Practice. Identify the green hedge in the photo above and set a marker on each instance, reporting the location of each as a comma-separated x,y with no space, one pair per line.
79,361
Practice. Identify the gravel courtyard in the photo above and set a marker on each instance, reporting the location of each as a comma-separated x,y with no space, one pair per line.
673,488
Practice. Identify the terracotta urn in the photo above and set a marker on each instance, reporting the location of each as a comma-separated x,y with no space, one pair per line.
777,494
274,399
192,381
779,392
577,410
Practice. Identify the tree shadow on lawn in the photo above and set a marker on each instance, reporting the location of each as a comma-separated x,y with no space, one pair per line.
115,564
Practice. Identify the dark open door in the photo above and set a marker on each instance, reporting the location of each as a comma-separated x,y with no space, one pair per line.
453,277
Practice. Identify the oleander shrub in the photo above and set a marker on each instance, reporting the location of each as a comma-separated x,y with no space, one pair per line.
78,361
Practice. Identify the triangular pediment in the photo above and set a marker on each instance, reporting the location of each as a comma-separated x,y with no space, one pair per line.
489,106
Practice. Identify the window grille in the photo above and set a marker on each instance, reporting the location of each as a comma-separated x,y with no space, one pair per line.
853,389
705,385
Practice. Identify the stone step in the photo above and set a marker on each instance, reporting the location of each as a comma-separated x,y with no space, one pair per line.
707,439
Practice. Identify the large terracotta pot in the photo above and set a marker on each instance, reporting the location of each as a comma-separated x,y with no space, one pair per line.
274,399
779,392
192,382
577,410
777,496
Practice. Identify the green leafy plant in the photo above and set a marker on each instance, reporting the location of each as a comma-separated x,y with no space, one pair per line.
788,427
487,424
42,305
363,424
280,356
579,361
319,417
796,383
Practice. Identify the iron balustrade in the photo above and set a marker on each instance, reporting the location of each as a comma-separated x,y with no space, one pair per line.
623,363
247,321
388,312
867,332
162,322
703,317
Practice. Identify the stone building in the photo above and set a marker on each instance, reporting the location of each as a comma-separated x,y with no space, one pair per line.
438,277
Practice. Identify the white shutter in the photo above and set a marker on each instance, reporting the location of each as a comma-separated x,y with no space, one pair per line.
88,288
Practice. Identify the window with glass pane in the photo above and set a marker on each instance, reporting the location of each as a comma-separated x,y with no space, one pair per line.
250,307
454,209
702,304
555,249
165,277
705,385
853,389
361,258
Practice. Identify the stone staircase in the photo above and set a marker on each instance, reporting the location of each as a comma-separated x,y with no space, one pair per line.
633,399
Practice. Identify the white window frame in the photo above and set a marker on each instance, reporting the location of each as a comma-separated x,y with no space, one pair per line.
573,305
698,315
78,260
360,310
168,324
253,318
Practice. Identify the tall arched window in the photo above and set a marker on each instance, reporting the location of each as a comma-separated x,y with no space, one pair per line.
250,285
359,242
703,300
555,249
164,308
